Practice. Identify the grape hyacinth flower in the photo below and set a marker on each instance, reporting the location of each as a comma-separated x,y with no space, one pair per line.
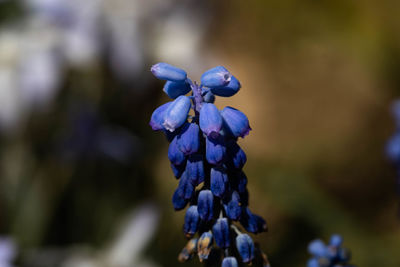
208,162
330,255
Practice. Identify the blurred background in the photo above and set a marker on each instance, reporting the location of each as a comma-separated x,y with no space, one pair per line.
84,182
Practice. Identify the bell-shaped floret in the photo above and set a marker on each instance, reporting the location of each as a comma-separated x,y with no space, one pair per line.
336,240
233,208
241,182
175,89
221,233
218,181
178,202
188,251
252,222
245,247
191,223
237,157
229,262
168,72
188,139
178,170
216,77
228,90
205,205
176,113
204,246
175,155
157,118
235,122
195,169
185,187
210,120
215,150
317,248
313,263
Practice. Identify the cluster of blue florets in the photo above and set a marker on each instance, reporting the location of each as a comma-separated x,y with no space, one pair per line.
208,162
331,255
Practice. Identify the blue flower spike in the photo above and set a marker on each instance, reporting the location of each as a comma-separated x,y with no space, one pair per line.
164,71
176,113
204,245
331,255
208,162
216,77
175,89
210,120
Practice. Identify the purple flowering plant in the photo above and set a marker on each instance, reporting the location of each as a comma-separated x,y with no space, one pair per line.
208,162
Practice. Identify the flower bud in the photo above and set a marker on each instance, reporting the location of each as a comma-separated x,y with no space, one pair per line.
175,155
245,247
157,118
221,233
176,113
228,90
229,262
252,222
336,240
204,246
175,89
178,170
210,120
178,202
188,251
215,77
215,150
191,221
185,187
237,157
235,122
164,71
205,205
188,138
195,169
241,182
313,263
209,97
233,208
218,180
317,248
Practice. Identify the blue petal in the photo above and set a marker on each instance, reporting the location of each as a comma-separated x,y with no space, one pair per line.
229,90
241,182
221,233
209,97
313,263
175,89
204,245
245,247
175,155
215,150
336,240
195,169
252,222
188,139
317,248
235,122
178,202
210,120
237,157
176,113
191,221
178,170
157,118
185,187
229,262
205,205
168,72
233,208
218,180
216,77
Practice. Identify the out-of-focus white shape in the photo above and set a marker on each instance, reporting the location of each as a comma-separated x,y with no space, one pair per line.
134,237
8,251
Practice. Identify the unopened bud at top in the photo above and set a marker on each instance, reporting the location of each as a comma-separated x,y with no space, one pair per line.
168,72
216,77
